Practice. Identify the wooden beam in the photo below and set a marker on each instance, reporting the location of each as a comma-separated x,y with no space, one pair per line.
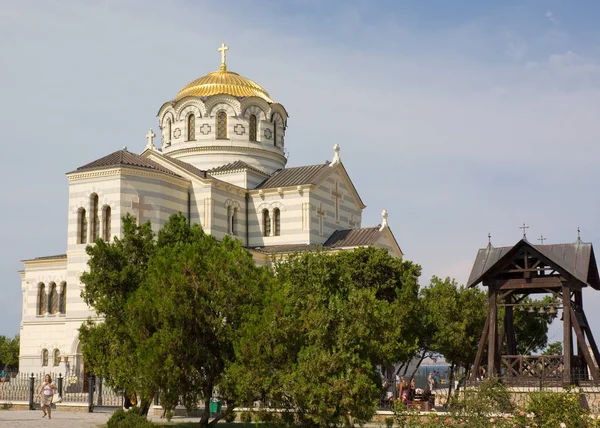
582,346
590,338
479,356
567,342
492,334
511,343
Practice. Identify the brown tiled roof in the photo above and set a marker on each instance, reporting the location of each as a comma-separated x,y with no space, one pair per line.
295,176
339,239
577,259
235,166
188,167
287,248
55,257
125,158
353,237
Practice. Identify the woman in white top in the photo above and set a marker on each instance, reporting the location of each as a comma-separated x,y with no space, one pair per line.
47,390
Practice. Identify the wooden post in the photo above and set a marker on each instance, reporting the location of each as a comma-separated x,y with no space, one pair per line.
479,356
581,344
493,335
510,331
567,342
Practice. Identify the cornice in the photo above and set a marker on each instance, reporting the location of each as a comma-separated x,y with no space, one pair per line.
137,172
229,149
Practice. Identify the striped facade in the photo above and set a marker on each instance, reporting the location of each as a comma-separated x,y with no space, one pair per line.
236,186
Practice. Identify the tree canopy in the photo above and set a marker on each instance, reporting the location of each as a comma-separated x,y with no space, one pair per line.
9,352
327,323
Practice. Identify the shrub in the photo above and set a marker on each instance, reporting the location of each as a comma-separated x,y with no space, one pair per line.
230,417
245,417
389,422
551,409
476,405
130,419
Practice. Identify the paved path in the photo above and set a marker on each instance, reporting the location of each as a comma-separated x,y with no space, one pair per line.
33,418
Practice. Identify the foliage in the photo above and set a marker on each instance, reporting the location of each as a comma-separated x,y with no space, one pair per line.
245,417
129,419
116,270
531,328
9,352
325,326
553,408
456,316
476,405
555,348
198,294
171,309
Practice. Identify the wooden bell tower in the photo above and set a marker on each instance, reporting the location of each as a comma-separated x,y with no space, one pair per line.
513,273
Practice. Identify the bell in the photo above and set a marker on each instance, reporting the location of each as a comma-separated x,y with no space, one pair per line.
552,311
541,311
531,309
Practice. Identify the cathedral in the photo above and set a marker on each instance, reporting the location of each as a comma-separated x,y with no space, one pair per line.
221,161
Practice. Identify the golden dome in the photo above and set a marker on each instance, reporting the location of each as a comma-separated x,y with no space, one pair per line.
223,82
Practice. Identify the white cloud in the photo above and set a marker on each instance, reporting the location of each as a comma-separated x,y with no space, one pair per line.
550,17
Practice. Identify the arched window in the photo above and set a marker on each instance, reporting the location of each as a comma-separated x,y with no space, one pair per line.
44,357
53,299
252,127
191,127
274,133
94,217
169,131
221,125
233,221
42,299
82,226
56,357
229,214
106,223
62,307
276,222
266,223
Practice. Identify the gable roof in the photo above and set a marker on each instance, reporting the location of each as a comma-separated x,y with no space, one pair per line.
577,259
188,167
235,167
295,176
124,158
346,238
353,237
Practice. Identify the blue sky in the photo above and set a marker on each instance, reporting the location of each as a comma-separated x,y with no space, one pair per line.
460,118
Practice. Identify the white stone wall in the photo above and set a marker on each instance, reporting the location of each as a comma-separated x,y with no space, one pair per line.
290,201
322,199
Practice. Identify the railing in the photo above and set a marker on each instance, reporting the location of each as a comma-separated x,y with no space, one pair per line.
74,387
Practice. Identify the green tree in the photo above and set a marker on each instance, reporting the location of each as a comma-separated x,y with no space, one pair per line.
555,348
109,342
197,295
9,352
456,316
531,328
325,326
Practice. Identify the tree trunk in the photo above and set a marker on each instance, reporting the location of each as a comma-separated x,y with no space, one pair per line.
206,413
418,364
145,406
450,382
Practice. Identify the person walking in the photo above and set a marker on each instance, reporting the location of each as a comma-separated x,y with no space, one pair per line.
46,392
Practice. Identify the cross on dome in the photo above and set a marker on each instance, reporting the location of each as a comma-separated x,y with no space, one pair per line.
223,49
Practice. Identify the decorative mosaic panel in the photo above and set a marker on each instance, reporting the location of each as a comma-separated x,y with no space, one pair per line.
177,133
205,129
268,134
239,129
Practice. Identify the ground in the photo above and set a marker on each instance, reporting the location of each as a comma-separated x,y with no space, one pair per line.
33,419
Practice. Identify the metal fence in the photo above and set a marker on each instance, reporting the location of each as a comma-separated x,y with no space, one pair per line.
73,387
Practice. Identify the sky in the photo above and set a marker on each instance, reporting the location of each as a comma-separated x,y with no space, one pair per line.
460,118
